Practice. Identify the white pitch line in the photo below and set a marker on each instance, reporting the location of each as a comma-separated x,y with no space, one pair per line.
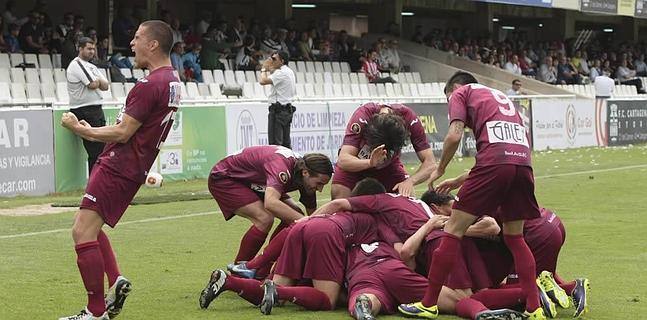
28,234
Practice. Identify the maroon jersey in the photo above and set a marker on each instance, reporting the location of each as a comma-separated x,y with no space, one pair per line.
153,102
264,166
404,215
360,117
537,229
501,137
366,255
356,227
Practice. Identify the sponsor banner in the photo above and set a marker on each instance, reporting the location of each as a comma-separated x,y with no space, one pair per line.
534,3
316,127
194,144
599,6
26,152
567,4
627,121
563,123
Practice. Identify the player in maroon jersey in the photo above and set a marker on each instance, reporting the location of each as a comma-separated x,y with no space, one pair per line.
375,134
131,147
254,183
502,177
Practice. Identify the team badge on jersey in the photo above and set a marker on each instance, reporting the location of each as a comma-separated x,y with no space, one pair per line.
283,177
369,248
355,128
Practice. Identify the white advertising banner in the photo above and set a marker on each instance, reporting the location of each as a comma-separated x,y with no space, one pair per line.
315,126
563,123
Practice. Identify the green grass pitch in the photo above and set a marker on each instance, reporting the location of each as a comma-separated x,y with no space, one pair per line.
600,194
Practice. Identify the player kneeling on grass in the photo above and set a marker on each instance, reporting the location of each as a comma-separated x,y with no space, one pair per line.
313,248
254,183
132,146
545,237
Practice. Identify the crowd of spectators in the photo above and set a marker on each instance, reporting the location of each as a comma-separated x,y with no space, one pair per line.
554,62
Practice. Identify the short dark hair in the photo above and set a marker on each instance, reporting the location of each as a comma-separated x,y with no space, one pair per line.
432,197
161,32
368,186
515,81
388,129
84,41
460,77
284,56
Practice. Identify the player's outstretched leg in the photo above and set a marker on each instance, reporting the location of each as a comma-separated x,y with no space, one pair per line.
579,295
214,288
241,270
553,290
116,296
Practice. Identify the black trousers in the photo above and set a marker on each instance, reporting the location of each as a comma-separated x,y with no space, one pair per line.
94,116
279,121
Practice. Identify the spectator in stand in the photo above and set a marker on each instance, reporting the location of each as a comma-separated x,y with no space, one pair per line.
270,44
501,61
566,73
526,65
391,56
191,61
8,16
342,48
3,44
371,69
68,49
604,85
627,76
641,67
79,23
595,70
67,25
248,58
304,48
282,40
203,24
356,58
123,27
237,32
102,49
584,68
12,45
513,65
176,59
417,35
515,90
30,35
175,27
91,33
212,50
547,71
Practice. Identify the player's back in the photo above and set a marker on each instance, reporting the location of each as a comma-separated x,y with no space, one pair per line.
501,137
153,102
367,255
249,163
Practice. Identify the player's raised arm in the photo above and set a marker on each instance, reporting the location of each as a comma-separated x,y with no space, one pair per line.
333,206
411,247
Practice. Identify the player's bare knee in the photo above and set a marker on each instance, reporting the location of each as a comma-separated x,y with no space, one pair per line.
264,222
376,305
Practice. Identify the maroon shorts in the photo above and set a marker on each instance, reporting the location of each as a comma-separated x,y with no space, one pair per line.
108,194
390,281
546,250
314,249
508,186
469,270
231,194
389,176
497,258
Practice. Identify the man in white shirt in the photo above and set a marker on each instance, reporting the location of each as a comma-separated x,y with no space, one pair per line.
276,72
604,85
83,84
547,72
513,65
515,90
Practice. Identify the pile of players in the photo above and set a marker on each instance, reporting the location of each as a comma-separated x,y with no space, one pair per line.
489,254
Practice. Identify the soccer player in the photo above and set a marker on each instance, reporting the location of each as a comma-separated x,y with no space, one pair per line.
254,183
131,147
502,177
375,134
545,237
